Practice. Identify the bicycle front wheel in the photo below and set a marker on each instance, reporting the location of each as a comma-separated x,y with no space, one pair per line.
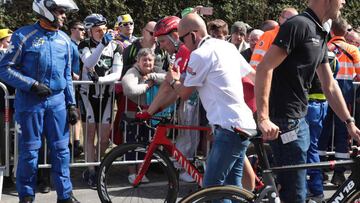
113,180
219,194
354,198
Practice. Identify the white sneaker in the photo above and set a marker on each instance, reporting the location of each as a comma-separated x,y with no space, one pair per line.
131,178
185,177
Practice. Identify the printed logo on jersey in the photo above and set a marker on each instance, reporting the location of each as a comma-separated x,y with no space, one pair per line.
261,43
315,41
190,71
38,42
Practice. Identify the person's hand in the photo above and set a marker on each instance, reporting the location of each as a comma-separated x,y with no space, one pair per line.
150,83
106,39
41,90
72,114
93,76
353,131
173,74
142,115
269,130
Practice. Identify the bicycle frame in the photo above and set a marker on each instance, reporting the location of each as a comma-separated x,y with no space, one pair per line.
352,183
160,139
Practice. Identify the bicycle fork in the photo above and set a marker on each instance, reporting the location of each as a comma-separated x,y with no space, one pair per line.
145,165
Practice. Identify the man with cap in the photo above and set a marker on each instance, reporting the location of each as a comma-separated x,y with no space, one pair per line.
238,34
125,29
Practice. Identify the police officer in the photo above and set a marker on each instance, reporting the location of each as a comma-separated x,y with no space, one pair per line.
38,64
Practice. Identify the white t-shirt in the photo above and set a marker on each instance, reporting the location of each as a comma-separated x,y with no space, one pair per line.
215,68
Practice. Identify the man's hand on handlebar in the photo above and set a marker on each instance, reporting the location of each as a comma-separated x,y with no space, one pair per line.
143,115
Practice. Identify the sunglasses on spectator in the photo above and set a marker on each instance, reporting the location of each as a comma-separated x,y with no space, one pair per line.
80,28
126,24
60,11
150,32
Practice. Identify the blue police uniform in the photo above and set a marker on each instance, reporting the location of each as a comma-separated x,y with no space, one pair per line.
36,54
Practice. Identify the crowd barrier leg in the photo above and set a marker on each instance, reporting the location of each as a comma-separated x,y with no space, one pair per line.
1,180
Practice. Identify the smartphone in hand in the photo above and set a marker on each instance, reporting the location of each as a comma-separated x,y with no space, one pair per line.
206,11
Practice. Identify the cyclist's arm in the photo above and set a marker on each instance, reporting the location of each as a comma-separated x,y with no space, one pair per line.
182,91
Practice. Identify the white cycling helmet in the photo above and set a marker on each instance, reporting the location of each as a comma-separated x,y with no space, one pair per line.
45,8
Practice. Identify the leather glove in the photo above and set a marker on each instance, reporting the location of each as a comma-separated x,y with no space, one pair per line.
93,76
41,90
142,115
106,39
73,116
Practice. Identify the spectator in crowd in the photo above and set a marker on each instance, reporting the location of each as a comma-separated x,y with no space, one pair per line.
125,29
283,79
269,25
268,37
238,34
102,63
129,57
353,38
44,103
77,34
254,37
148,40
248,85
218,29
225,161
5,35
136,82
349,70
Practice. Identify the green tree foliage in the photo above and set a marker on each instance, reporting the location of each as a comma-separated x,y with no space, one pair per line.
254,12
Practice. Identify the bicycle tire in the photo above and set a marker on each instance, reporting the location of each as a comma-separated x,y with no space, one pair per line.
354,198
217,193
113,185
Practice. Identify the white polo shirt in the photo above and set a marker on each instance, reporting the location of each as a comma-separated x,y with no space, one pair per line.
215,68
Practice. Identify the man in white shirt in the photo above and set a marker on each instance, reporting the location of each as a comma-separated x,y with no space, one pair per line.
213,70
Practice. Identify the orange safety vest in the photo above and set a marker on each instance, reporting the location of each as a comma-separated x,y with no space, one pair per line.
348,68
262,46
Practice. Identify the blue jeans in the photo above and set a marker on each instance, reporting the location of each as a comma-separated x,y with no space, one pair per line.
293,183
315,116
225,161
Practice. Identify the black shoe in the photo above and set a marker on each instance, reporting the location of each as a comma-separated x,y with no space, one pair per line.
27,200
72,199
44,186
8,182
338,178
78,150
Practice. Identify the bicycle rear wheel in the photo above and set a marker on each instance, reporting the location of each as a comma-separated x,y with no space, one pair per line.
113,183
218,194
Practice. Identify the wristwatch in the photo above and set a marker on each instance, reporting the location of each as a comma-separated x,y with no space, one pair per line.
172,83
349,120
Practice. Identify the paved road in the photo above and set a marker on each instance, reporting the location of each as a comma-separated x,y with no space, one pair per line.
86,195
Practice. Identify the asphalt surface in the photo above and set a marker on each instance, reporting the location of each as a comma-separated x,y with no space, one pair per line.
86,195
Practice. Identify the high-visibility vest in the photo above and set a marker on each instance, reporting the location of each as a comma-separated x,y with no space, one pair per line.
348,68
262,46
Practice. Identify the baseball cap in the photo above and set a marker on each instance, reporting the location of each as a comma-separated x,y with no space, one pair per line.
124,19
239,27
5,33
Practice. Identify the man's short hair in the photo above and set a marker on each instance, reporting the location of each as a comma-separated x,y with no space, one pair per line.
339,26
218,25
74,23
